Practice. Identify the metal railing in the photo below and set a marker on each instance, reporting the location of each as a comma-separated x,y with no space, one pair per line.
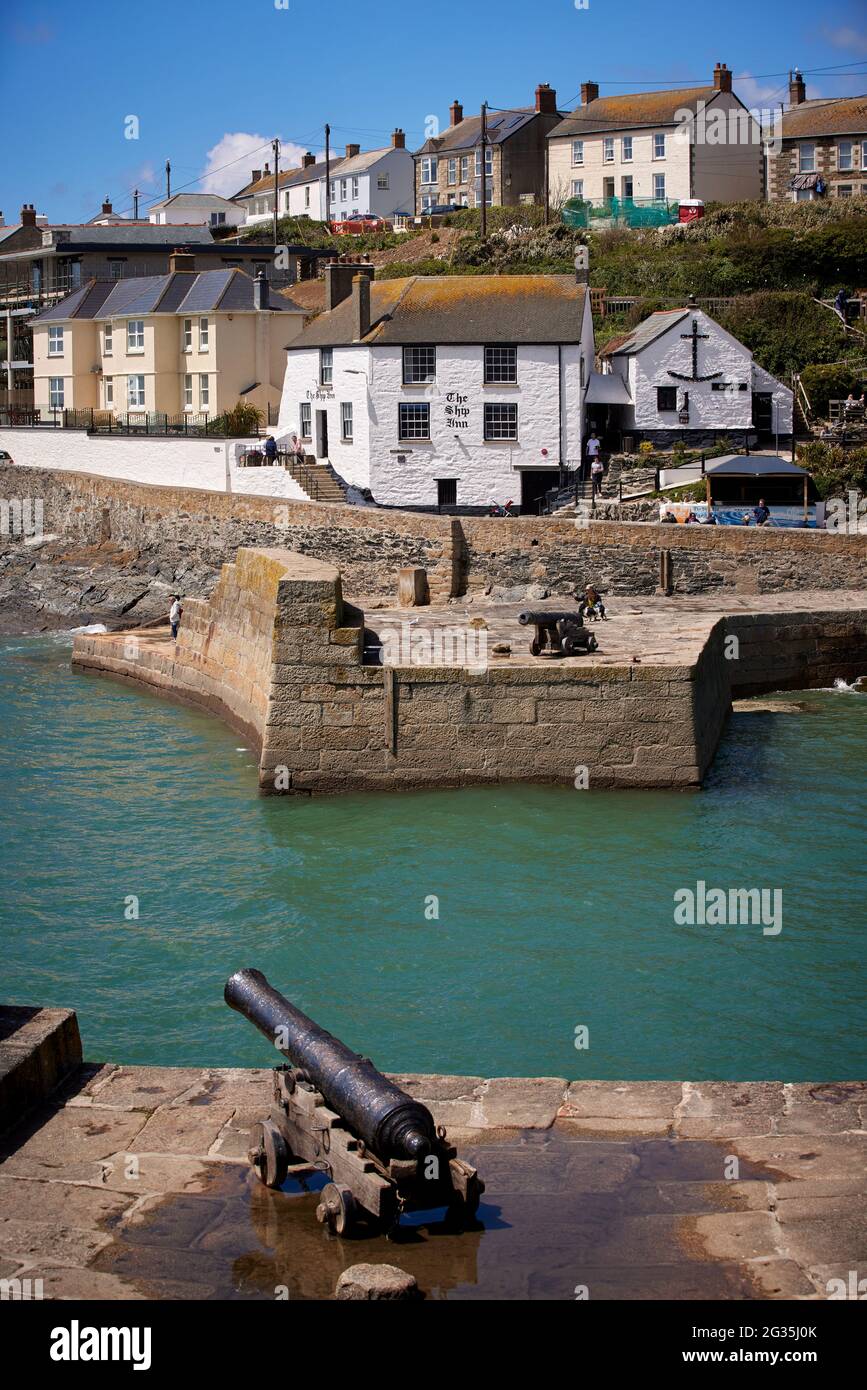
142,422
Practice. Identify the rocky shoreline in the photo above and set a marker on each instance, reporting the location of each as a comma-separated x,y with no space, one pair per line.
48,585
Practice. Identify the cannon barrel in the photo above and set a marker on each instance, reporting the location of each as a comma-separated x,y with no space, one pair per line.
550,618
390,1122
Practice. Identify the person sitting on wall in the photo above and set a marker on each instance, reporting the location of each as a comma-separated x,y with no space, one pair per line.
691,517
270,450
745,519
667,516
592,606
710,519
762,513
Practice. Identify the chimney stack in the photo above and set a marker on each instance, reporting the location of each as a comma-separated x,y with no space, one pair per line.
28,215
398,140
352,151
797,88
722,78
307,160
546,99
360,306
182,259
106,209
260,292
257,174
457,112
339,275
589,92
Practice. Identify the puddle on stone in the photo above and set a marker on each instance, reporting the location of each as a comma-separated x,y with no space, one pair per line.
558,1213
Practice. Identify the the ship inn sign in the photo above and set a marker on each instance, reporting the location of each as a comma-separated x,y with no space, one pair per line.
457,411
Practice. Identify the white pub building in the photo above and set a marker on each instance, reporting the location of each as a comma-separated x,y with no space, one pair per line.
443,390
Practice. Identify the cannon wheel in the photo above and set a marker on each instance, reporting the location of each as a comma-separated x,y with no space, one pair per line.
592,643
535,646
338,1209
270,1155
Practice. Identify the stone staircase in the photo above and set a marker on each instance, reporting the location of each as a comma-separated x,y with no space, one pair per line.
318,480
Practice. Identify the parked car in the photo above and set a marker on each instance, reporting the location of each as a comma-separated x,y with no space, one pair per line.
361,222
5,457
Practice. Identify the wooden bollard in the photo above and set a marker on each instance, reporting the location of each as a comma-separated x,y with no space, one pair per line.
412,587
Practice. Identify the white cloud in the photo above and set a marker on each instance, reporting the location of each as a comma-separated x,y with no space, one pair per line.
242,152
755,93
848,39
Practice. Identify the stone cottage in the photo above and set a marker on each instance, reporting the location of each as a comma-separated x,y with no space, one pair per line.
679,376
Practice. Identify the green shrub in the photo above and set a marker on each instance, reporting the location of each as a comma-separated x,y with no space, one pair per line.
242,420
834,470
833,382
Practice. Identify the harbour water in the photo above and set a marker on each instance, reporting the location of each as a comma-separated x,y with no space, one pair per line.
467,931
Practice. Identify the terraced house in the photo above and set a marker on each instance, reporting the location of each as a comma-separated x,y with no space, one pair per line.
442,390
186,342
823,150
699,142
448,167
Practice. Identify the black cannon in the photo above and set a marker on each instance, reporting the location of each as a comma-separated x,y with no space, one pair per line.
334,1112
558,633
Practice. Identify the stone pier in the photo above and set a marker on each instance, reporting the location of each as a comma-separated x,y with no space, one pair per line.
279,654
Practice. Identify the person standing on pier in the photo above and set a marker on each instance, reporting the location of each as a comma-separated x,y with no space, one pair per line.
175,613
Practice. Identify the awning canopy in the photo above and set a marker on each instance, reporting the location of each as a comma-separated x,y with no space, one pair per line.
607,388
753,466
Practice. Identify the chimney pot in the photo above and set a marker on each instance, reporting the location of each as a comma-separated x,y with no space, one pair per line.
589,92
398,140
722,78
457,112
546,99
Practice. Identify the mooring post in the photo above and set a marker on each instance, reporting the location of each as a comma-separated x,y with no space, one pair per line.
390,710
665,584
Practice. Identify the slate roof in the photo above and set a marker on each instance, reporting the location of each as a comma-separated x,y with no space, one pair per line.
647,331
181,292
640,109
126,234
459,309
185,200
754,466
468,132
289,177
826,116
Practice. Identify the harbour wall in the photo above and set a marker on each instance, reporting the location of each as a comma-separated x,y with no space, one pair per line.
461,555
279,654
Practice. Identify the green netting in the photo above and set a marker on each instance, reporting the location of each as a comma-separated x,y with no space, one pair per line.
628,212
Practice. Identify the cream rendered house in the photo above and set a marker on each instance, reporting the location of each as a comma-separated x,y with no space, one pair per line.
701,142
186,342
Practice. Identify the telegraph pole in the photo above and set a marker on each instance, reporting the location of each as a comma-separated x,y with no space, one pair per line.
135,205
484,180
328,178
168,179
275,146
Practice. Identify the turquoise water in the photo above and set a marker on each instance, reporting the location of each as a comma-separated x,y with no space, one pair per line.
556,907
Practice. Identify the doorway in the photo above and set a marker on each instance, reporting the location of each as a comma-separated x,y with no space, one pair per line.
535,482
322,434
763,413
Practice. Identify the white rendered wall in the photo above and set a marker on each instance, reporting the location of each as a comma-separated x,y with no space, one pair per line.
198,463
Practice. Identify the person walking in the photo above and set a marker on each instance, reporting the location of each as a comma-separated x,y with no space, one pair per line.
175,613
594,448
270,450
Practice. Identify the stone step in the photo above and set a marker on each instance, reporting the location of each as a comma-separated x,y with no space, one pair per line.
38,1050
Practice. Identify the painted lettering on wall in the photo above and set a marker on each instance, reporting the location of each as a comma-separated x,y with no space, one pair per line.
457,411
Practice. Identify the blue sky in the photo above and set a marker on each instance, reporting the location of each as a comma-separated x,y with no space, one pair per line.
210,80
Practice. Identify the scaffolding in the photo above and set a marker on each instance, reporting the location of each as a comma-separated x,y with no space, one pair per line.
623,212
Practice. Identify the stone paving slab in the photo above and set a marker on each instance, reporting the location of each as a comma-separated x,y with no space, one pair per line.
134,1183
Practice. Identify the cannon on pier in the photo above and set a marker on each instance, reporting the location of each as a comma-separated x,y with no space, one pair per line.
558,633
335,1113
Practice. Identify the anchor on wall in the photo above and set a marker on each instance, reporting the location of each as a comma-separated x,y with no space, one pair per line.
694,337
